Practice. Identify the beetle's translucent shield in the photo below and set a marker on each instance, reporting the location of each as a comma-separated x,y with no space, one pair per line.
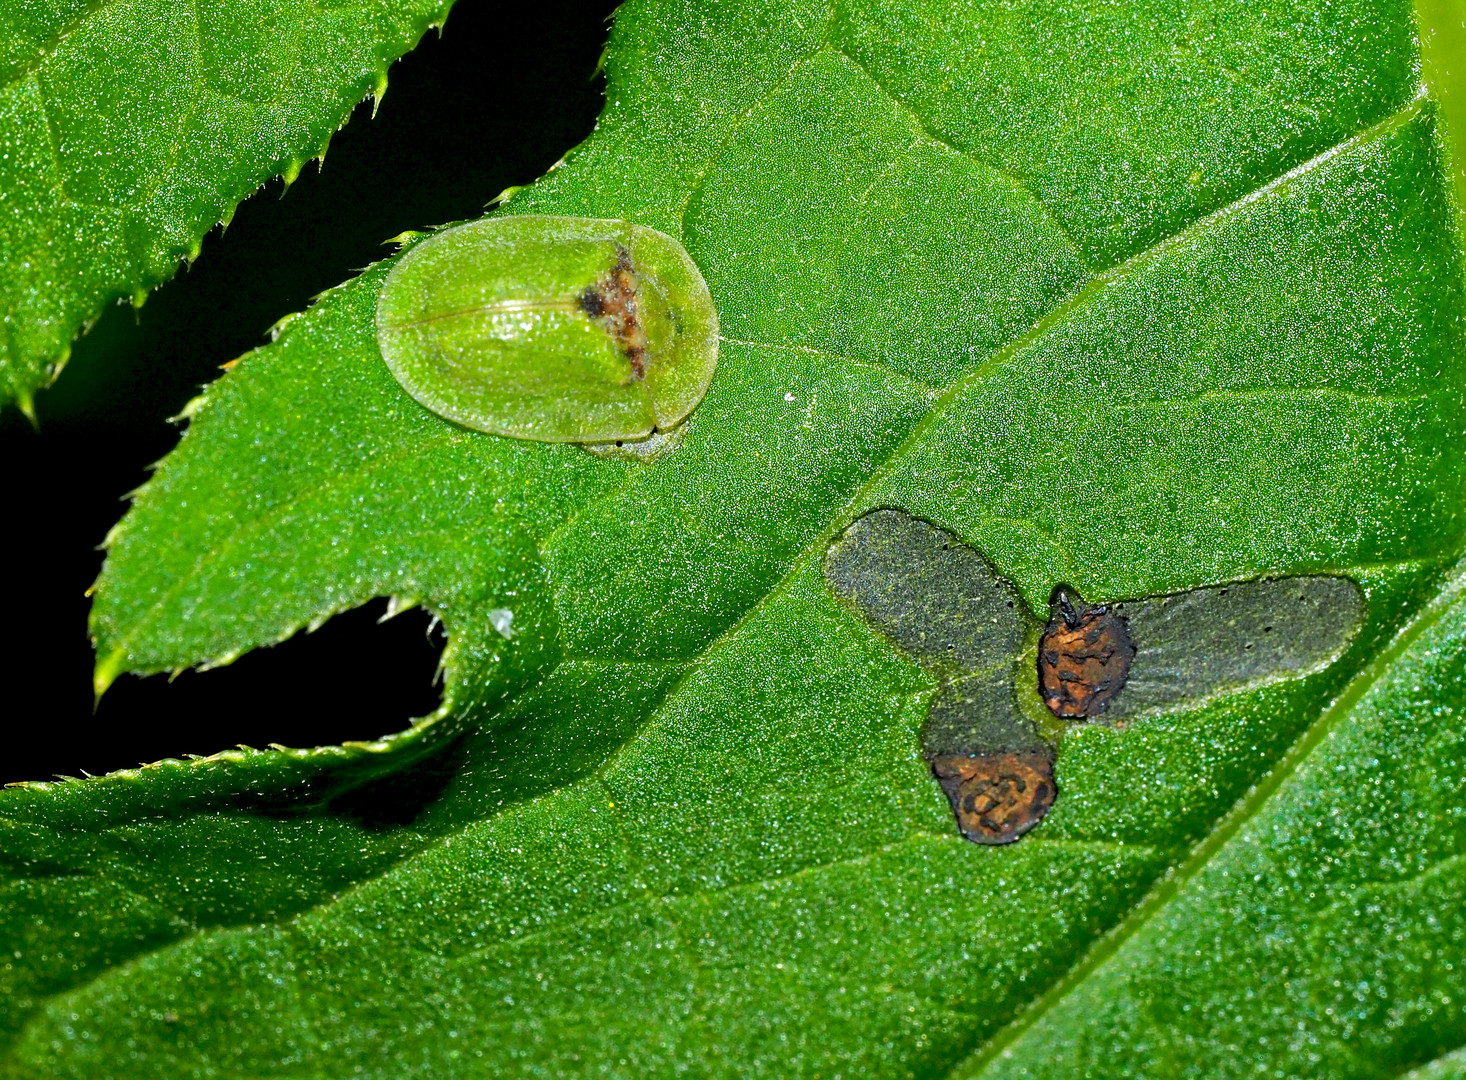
549,328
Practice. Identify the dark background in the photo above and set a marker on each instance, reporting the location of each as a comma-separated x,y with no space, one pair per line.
493,101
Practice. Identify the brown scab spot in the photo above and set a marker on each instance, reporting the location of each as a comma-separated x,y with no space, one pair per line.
997,797
1083,657
612,301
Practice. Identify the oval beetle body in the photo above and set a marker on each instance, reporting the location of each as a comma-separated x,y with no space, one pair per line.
555,329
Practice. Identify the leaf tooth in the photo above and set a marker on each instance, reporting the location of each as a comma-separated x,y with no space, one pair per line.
379,90
195,404
65,355
396,605
105,673
291,172
222,660
280,324
25,401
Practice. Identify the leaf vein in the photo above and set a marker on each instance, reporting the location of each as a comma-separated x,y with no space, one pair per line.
49,49
694,190
928,135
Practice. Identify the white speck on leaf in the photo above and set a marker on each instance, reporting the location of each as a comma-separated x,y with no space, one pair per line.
502,620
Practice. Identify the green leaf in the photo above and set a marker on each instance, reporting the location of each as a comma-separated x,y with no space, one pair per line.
1136,299
130,129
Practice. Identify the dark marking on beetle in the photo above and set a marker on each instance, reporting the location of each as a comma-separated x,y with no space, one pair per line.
997,797
612,301
592,303
1083,657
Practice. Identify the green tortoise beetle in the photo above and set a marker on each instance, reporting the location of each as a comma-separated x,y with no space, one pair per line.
553,329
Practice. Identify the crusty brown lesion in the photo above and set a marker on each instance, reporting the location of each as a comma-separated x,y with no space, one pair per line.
614,303
997,797
1083,657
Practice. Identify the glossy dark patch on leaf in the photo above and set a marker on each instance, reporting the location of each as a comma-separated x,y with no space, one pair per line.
1227,638
930,593
996,770
976,714
1083,658
941,600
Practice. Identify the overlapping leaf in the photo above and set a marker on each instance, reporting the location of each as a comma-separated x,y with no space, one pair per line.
1139,301
129,128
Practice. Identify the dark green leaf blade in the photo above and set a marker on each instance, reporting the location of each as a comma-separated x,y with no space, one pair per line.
1129,122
